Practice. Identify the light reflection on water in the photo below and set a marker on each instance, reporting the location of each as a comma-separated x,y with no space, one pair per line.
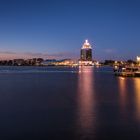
91,103
129,91
86,102
126,101
137,98
122,92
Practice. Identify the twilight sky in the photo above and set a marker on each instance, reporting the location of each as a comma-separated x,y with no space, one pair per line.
58,28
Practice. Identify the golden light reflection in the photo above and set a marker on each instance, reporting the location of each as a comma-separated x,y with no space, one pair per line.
86,102
122,92
137,97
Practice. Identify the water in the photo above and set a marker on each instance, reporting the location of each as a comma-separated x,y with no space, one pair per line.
68,104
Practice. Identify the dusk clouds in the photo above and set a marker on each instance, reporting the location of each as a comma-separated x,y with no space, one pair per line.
4,55
57,28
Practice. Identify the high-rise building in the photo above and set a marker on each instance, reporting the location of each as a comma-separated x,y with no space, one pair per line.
86,54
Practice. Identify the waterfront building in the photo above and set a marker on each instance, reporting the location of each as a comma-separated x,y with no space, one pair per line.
49,62
138,60
18,62
63,62
86,54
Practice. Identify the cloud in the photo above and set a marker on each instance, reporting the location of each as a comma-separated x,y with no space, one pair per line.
4,55
109,51
7,52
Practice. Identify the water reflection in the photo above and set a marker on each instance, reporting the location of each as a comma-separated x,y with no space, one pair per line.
137,97
86,102
122,92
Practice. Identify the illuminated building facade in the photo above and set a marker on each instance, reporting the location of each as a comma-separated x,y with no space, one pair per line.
86,54
138,60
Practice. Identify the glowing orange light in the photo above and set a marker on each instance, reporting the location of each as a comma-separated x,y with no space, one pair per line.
86,45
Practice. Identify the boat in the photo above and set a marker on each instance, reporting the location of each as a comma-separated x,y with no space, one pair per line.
137,73
127,71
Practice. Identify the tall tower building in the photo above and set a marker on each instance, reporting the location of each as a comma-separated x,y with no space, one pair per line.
86,54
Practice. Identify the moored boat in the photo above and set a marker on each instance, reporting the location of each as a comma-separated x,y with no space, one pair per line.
127,71
137,73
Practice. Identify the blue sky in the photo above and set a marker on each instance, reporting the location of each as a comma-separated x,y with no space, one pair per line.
58,28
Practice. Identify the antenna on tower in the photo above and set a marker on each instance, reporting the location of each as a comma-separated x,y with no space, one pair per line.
86,40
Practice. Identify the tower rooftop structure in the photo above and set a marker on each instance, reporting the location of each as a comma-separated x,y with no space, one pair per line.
86,45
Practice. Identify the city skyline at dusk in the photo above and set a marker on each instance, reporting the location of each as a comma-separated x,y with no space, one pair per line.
57,29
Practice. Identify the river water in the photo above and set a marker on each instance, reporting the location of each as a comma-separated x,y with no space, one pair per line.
59,103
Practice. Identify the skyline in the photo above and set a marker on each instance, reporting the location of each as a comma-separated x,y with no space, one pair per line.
57,29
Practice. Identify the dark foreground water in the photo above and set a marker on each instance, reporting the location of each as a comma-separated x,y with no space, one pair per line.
68,104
